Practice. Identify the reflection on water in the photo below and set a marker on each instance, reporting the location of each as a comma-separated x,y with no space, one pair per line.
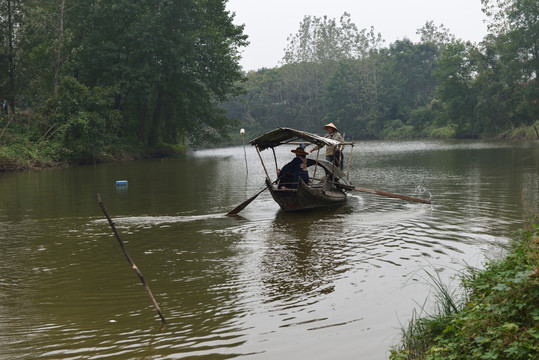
265,284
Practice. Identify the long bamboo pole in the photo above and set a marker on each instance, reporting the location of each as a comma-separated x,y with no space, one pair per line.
384,193
133,266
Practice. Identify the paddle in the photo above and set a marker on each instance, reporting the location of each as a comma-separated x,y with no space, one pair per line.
242,206
384,193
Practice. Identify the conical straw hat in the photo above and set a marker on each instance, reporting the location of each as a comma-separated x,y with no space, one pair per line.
331,125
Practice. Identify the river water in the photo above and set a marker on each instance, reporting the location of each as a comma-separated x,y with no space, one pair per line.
328,284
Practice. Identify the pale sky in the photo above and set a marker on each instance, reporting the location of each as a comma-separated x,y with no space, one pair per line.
268,23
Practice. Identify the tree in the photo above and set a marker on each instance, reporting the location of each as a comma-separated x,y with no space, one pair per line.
81,120
8,23
407,81
44,43
518,20
173,61
514,27
320,40
455,72
440,85
433,34
352,97
315,59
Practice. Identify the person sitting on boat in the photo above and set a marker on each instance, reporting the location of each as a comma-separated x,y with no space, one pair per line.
333,154
290,174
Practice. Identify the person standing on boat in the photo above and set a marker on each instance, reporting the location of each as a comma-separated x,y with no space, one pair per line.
333,154
297,168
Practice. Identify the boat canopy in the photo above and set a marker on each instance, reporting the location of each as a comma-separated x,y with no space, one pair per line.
283,135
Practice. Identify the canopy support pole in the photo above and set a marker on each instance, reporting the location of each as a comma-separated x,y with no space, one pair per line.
262,162
316,166
275,159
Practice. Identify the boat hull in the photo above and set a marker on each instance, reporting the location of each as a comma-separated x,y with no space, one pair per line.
306,197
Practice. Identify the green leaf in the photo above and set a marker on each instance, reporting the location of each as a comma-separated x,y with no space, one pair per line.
500,287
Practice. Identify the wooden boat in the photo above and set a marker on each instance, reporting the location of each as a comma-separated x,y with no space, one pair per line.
327,182
324,189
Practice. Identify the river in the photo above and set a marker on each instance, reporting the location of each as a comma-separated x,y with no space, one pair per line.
328,284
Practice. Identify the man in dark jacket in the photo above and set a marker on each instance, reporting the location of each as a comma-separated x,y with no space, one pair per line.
297,168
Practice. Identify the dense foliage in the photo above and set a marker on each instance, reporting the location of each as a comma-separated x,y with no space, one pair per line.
437,87
95,76
99,79
497,319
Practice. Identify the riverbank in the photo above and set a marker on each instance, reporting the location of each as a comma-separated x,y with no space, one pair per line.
26,144
23,147
21,154
498,317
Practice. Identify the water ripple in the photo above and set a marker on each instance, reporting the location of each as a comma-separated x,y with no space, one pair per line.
264,284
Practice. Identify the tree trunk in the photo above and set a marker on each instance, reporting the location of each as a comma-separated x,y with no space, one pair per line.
142,123
11,64
59,47
154,130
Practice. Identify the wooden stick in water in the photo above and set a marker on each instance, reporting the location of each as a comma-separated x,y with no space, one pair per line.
133,266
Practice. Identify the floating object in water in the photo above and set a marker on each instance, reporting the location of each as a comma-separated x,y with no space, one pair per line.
121,183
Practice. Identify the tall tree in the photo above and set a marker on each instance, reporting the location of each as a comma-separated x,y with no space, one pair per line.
406,72
514,27
59,45
433,34
455,72
9,10
312,58
45,42
174,61
320,40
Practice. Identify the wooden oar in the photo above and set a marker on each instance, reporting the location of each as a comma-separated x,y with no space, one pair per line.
242,206
384,193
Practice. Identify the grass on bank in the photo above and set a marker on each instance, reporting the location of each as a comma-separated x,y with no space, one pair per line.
23,148
498,317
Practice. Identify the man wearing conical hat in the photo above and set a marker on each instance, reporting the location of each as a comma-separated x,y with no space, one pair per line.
332,154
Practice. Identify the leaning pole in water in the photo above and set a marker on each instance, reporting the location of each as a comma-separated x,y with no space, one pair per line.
133,266
242,133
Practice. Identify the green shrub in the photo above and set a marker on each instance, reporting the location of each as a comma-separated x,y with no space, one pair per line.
397,129
499,319
446,132
84,121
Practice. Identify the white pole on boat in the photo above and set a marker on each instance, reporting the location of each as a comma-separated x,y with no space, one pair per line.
242,132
